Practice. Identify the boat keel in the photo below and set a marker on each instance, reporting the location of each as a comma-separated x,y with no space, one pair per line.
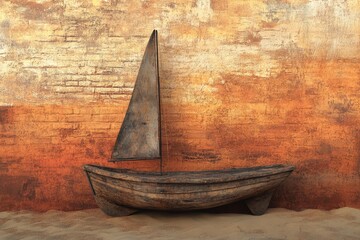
259,204
112,209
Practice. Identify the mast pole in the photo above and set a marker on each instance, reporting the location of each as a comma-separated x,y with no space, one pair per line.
158,84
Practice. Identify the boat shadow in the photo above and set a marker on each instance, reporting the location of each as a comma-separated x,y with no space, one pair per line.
235,208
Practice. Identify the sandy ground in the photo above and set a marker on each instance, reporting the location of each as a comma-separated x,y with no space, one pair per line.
91,224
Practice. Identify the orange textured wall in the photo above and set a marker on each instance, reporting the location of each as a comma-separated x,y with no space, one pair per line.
243,83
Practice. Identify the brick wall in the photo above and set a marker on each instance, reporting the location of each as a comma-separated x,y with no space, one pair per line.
243,83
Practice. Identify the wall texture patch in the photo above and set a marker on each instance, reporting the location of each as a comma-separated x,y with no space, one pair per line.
243,83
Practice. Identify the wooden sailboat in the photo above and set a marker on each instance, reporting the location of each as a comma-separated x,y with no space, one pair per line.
120,192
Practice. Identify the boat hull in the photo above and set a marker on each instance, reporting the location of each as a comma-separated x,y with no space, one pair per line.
184,191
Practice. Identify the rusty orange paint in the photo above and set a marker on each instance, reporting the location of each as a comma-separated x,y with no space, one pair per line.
44,148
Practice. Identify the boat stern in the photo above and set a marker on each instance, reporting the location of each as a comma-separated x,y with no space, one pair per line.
87,168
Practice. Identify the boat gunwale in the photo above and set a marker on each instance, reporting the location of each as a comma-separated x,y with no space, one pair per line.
189,177
132,190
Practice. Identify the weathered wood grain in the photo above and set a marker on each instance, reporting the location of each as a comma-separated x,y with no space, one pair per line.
184,191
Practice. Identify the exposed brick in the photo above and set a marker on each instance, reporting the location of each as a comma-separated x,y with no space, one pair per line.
69,89
60,125
107,90
77,118
102,84
105,118
71,83
84,83
95,125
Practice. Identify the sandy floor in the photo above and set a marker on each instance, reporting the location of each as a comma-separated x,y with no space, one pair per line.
91,224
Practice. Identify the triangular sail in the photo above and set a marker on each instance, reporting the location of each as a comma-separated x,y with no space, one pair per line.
139,136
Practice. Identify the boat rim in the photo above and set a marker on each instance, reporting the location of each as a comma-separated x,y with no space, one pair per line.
207,176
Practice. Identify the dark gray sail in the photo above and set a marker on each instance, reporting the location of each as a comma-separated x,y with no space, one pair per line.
139,136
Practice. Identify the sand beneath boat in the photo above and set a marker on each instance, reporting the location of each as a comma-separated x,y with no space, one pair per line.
91,224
